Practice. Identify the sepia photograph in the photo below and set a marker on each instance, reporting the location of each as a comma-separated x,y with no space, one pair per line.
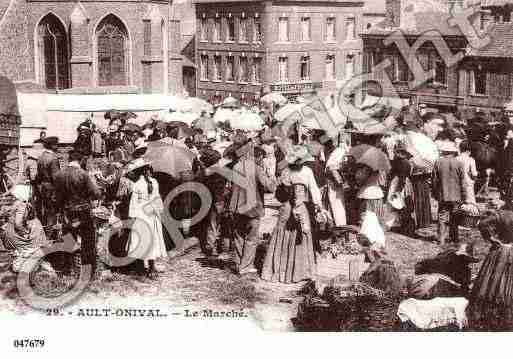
301,165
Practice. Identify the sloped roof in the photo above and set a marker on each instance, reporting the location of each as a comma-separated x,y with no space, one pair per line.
501,44
418,17
490,3
375,7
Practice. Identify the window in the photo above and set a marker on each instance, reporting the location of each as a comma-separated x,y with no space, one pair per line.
305,29
243,29
349,66
217,30
217,68
440,72
331,29
230,69
401,69
147,37
330,67
204,67
256,70
112,54
203,29
257,30
53,53
243,69
350,28
304,68
230,34
478,82
283,29
283,69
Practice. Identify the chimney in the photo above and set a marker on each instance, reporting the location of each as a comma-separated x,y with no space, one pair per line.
393,12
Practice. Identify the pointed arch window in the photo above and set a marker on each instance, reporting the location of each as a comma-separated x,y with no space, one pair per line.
112,44
53,50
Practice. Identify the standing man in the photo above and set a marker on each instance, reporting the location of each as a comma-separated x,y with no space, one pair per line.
76,197
247,202
47,167
450,190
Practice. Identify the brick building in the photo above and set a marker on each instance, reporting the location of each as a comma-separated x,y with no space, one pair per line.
92,46
246,47
481,81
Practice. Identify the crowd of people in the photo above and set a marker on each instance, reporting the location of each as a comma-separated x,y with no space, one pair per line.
371,180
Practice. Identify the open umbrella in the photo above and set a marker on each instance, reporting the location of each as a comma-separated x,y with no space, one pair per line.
170,158
247,121
290,111
187,117
205,124
274,98
195,105
370,156
230,102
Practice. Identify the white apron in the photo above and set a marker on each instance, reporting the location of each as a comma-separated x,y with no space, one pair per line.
335,193
146,238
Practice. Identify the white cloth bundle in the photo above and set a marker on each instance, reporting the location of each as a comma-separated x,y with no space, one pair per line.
434,313
371,228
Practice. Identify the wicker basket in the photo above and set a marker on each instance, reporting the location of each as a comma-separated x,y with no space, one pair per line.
466,219
372,311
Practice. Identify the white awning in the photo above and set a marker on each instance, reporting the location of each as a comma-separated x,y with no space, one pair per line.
103,103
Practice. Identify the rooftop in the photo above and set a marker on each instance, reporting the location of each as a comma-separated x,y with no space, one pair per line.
497,3
375,7
417,17
501,35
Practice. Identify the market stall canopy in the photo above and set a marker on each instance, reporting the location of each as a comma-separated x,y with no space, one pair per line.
194,105
104,103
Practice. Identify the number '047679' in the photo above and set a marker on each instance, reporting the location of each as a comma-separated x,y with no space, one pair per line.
29,343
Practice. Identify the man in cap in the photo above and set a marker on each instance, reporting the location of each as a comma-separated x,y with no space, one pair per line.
450,185
76,197
47,167
247,201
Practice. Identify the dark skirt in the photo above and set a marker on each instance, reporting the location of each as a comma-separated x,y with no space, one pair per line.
290,257
422,199
492,294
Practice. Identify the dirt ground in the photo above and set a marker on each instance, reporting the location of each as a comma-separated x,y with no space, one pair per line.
190,282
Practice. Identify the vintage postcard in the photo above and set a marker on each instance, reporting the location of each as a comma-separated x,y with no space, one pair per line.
278,165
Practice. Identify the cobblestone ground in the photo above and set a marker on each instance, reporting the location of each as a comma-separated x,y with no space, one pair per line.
188,282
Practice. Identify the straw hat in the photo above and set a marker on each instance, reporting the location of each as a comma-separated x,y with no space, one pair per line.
136,164
298,154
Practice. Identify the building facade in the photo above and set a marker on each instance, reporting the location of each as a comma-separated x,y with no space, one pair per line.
480,81
92,46
246,48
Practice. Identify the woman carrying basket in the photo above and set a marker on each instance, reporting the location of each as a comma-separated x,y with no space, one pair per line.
492,293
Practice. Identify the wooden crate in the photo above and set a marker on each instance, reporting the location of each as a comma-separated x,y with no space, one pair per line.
349,266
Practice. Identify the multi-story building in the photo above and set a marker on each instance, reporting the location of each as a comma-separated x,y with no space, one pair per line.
245,48
480,81
91,46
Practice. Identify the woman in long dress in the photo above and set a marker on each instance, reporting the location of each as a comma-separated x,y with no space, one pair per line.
334,200
491,301
146,238
290,256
